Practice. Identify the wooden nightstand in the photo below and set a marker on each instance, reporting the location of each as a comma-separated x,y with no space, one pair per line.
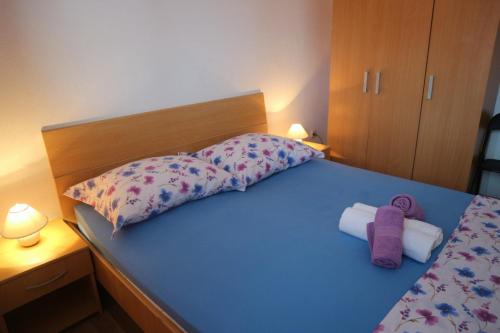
319,146
49,286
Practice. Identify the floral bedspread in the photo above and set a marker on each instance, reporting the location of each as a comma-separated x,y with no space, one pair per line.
461,290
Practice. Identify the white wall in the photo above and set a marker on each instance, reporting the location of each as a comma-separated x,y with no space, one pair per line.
490,184
66,60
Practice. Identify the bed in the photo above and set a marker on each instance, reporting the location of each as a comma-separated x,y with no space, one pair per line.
270,259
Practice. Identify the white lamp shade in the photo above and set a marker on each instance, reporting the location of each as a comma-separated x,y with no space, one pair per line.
297,131
22,220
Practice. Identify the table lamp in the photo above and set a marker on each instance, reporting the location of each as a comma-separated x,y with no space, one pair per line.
24,224
297,132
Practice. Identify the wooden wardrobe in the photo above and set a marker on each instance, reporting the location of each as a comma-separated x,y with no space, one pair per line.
408,83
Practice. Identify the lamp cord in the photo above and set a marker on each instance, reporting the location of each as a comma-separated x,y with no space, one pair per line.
316,135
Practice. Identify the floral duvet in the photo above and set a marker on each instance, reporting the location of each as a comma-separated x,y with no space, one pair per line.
461,290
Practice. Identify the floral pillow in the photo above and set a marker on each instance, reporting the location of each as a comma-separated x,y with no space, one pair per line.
143,189
252,157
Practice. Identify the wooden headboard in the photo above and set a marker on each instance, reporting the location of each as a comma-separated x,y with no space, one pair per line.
82,151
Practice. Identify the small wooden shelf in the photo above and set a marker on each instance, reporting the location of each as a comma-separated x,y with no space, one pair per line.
49,286
55,311
320,147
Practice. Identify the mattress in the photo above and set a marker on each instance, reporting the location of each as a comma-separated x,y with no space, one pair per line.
272,259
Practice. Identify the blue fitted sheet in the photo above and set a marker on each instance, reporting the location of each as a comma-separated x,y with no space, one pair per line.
272,259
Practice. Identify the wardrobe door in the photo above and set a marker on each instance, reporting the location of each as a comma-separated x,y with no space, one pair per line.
352,41
462,40
399,73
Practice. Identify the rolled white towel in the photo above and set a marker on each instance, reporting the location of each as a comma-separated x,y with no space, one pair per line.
354,221
435,232
365,207
416,245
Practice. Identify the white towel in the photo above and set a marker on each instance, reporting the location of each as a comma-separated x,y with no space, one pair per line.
416,245
354,221
435,232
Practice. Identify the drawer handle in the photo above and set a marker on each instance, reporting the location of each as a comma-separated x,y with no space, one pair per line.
49,281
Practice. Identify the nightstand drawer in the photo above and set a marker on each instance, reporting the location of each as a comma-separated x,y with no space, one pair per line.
44,280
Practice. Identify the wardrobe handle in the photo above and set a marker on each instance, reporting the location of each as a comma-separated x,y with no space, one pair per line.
430,86
377,83
365,82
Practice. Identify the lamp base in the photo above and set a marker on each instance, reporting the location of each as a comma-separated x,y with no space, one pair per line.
29,240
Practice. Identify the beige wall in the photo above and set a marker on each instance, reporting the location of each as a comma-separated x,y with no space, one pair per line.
66,60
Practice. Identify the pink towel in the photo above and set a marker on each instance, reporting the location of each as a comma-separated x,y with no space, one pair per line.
385,237
409,206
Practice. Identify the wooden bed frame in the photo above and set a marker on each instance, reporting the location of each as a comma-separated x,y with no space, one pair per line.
81,151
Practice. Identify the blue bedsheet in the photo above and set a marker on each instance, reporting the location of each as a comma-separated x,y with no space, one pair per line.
272,259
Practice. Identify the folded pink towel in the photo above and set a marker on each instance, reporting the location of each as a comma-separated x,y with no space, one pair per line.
409,206
385,237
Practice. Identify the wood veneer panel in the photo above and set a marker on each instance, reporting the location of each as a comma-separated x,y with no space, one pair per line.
460,54
353,32
82,151
401,57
